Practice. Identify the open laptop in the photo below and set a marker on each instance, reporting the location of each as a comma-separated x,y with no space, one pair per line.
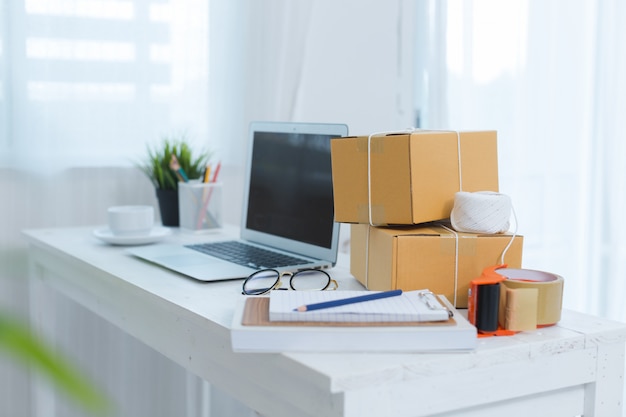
287,208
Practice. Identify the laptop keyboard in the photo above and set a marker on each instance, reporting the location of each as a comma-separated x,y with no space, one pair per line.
247,255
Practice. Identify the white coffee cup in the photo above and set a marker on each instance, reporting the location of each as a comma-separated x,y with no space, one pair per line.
131,220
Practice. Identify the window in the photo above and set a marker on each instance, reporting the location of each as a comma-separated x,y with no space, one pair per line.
90,82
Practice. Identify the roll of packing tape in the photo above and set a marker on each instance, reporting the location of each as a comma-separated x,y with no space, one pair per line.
504,300
549,293
481,212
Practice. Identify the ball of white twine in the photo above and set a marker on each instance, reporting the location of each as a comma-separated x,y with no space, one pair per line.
481,212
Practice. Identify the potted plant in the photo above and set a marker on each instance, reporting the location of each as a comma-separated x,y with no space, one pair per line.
165,165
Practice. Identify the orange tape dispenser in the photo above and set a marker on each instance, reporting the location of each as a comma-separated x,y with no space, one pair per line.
504,301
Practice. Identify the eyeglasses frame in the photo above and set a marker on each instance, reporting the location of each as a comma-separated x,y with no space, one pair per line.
278,284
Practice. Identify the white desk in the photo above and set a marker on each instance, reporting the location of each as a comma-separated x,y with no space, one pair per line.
574,368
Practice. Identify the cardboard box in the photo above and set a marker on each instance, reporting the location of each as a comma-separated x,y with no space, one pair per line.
414,177
423,257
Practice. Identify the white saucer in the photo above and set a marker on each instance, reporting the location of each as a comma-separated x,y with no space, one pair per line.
156,234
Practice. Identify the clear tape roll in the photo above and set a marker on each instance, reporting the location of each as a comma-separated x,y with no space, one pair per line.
481,212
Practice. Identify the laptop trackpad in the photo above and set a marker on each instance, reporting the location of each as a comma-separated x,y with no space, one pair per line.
188,259
202,267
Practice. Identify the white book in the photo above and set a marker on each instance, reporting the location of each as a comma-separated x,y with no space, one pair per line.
419,305
252,331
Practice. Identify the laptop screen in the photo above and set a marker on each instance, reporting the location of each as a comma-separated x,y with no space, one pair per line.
290,188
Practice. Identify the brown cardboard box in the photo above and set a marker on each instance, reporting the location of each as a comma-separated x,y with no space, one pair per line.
423,257
413,176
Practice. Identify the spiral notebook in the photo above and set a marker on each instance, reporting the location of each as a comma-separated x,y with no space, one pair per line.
411,306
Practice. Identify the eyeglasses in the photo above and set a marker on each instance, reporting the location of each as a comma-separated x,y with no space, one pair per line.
265,280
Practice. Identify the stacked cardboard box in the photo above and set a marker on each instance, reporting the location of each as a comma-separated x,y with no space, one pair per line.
401,183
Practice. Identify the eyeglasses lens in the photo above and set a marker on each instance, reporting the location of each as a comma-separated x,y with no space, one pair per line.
260,282
310,280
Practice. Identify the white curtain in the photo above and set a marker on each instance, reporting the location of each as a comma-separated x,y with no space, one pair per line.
84,86
549,77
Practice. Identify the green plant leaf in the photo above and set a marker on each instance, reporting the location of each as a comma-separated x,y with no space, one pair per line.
16,340
157,163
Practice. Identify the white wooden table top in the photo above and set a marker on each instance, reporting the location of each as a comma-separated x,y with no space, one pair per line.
189,322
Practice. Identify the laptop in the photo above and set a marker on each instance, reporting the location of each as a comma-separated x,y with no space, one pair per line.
288,209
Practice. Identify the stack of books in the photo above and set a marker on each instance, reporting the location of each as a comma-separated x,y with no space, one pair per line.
289,321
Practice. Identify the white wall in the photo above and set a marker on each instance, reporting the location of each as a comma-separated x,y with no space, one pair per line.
310,61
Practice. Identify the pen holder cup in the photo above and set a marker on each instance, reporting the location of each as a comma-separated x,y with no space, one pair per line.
200,206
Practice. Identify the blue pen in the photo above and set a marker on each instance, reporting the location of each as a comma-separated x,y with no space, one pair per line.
351,300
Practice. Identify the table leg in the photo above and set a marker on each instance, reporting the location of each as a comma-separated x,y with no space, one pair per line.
604,397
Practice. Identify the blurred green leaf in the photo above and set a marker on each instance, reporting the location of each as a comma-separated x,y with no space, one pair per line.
16,340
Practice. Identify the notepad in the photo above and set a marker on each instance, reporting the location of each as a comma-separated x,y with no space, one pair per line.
412,306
